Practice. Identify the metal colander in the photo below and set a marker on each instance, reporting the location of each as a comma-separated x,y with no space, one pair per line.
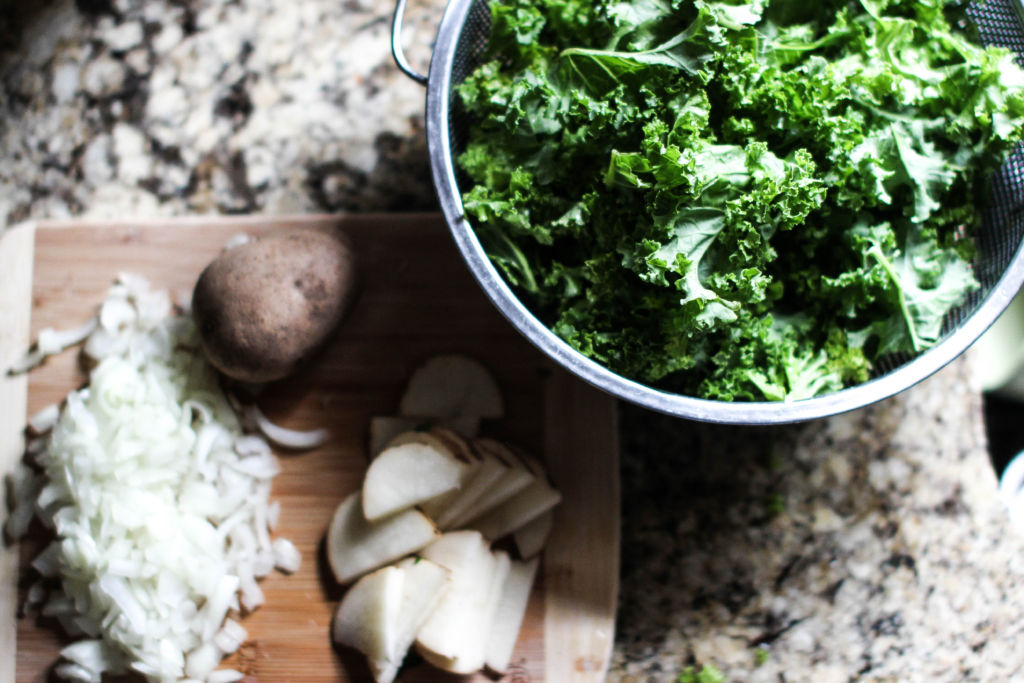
999,265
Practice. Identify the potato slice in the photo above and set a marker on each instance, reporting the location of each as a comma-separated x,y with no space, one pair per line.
452,385
356,546
454,637
458,448
406,475
515,477
525,507
487,476
425,585
367,617
531,537
517,511
383,428
509,614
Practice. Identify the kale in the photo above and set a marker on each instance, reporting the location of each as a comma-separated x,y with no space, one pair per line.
738,200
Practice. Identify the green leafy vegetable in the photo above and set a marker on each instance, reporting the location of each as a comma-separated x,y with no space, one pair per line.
706,674
737,200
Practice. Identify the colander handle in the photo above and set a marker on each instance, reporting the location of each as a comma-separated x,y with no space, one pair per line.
396,45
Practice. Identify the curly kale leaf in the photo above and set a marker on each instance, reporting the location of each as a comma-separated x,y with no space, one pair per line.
741,200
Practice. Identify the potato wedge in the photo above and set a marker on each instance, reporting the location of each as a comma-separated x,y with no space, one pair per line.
454,637
452,385
509,614
425,585
367,617
407,475
517,511
356,545
515,477
383,428
531,537
488,474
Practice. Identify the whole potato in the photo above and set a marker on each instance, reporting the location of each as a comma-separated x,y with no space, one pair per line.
264,308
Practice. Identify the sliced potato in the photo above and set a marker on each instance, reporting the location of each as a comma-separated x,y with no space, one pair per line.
406,475
454,636
383,428
489,472
509,614
459,444
356,546
514,479
531,537
425,585
452,385
426,438
458,449
517,511
367,617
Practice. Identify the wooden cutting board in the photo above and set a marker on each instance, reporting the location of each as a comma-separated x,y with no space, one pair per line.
417,299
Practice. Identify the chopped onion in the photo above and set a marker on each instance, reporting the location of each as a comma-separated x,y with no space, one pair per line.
230,637
23,486
51,342
286,438
202,661
286,555
158,499
251,444
43,421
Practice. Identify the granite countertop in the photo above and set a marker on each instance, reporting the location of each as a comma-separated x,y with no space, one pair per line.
870,546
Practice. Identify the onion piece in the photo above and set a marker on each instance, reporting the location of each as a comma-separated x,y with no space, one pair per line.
286,438
50,342
286,556
43,420
160,516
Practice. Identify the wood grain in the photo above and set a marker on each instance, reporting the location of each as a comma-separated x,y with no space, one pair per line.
15,305
416,299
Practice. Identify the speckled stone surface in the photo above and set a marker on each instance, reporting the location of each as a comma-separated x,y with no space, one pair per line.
870,546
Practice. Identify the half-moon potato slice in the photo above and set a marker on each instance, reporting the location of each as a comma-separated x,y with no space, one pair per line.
452,385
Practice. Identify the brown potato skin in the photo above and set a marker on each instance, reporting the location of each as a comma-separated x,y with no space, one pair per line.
264,308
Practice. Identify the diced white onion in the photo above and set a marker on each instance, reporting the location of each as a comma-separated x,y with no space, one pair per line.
51,342
159,502
230,637
43,420
78,673
202,661
23,486
287,438
224,676
251,444
286,555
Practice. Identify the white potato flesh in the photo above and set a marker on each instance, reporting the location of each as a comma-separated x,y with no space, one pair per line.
515,478
356,545
425,585
458,449
509,615
406,475
454,636
486,477
517,511
367,617
531,462
531,537
452,385
384,428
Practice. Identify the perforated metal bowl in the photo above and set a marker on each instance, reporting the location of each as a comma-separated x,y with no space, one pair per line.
999,265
